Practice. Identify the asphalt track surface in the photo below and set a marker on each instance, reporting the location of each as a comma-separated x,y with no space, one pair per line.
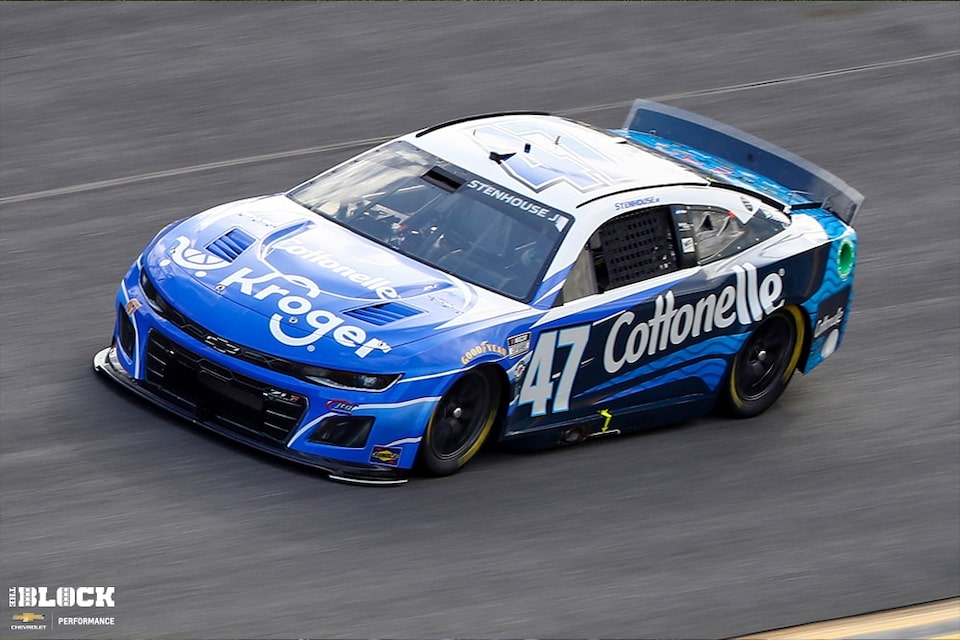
841,500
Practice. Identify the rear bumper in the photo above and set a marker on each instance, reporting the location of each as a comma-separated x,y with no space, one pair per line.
106,362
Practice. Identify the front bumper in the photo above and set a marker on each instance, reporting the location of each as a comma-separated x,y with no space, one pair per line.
106,362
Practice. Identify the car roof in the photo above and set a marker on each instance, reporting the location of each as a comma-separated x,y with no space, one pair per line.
560,162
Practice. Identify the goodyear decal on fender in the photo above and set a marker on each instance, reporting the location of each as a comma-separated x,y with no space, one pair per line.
480,349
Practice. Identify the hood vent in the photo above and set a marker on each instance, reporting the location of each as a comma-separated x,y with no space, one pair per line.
383,313
231,244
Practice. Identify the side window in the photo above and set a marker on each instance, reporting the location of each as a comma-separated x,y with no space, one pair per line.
632,247
718,233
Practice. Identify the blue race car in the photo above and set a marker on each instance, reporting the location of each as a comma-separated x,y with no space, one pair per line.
520,278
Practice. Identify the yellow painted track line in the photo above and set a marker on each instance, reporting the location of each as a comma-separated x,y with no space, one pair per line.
885,621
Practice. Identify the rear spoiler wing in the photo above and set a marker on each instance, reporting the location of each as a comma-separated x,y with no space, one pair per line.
750,152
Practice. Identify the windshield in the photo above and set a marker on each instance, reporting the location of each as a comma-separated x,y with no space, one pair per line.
440,214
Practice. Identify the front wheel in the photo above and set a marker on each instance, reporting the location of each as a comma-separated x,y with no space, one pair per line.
764,365
460,423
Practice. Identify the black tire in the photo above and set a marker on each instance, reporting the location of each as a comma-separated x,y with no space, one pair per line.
461,422
764,365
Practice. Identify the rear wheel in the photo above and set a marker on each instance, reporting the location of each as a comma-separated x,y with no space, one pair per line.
460,423
764,365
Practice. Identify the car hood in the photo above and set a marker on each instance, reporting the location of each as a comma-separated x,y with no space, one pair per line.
306,283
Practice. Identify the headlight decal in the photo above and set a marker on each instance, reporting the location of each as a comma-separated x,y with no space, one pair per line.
348,380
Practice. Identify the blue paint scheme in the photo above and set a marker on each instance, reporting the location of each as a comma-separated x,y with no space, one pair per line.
832,285
709,351
270,276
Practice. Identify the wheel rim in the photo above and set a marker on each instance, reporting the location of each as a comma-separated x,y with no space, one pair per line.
765,357
463,412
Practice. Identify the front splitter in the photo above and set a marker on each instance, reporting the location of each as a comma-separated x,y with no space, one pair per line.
106,362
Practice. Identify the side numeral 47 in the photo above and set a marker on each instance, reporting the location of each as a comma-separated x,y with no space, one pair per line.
538,385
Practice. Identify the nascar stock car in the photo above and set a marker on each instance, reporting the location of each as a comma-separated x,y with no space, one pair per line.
518,277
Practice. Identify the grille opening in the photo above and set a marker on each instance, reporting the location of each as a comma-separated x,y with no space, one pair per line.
216,394
343,431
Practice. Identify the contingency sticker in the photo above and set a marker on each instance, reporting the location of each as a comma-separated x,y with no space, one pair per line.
518,345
